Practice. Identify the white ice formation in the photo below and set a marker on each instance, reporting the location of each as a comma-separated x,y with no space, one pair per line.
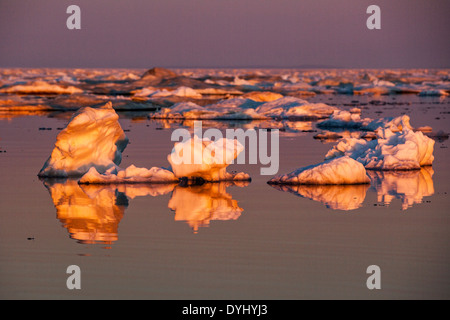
92,138
91,147
339,171
41,87
206,159
262,107
129,175
401,150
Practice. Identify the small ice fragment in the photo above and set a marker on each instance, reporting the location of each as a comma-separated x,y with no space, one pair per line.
391,123
433,93
344,119
41,87
131,174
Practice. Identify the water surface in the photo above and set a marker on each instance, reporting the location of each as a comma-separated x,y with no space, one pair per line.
223,241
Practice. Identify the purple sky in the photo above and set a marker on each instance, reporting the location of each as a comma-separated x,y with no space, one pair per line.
225,33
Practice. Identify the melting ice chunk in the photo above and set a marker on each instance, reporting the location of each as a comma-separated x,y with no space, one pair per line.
242,108
403,150
131,174
340,171
92,138
41,87
206,159
344,119
393,124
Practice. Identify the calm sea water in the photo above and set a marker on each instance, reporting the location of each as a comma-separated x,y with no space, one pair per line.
223,241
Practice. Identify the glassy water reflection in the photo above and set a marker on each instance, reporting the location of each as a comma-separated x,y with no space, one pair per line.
92,213
410,187
348,197
198,205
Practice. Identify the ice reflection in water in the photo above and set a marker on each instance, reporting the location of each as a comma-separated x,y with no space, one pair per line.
92,213
198,205
336,197
408,186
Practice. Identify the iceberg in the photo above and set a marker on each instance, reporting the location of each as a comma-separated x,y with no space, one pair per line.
339,171
206,159
218,91
433,93
92,138
186,92
185,110
157,72
262,96
372,90
192,111
294,108
402,150
92,143
155,93
394,124
344,119
41,87
247,108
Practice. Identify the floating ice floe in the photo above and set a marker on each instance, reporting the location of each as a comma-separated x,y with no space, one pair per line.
242,108
237,104
344,119
206,159
129,175
251,84
41,87
402,150
395,124
192,111
159,93
291,86
92,138
407,88
340,171
433,93
262,96
377,87
294,108
91,147
218,91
